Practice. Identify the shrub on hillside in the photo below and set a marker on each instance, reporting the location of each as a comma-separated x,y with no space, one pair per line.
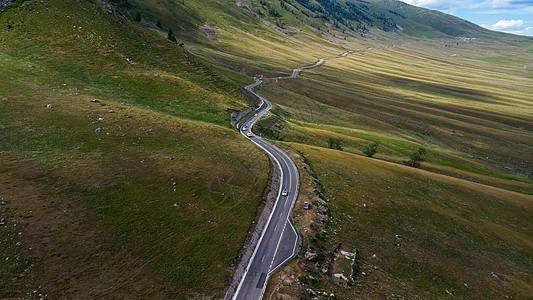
416,158
371,149
171,35
334,143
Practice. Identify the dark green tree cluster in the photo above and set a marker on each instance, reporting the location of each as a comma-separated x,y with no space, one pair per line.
335,143
338,11
371,149
138,16
416,158
171,36
356,15
273,13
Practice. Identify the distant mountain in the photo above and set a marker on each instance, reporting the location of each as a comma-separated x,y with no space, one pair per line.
350,16
418,21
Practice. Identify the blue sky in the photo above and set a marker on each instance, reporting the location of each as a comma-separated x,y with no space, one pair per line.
513,16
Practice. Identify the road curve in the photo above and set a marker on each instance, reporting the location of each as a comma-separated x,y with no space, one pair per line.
279,240
278,233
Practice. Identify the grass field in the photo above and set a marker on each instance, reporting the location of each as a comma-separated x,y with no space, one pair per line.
460,109
145,193
433,232
418,234
148,192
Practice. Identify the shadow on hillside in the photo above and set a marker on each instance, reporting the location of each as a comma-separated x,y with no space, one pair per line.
440,89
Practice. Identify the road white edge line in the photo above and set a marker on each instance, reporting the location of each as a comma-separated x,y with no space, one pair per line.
276,251
291,256
271,214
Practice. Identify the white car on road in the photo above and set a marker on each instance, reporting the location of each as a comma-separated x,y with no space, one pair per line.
284,192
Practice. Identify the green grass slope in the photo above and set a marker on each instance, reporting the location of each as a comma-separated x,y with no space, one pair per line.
443,98
459,225
417,234
272,37
145,193
148,193
352,17
420,22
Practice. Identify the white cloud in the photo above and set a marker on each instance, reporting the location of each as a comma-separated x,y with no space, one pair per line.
504,6
506,25
525,31
496,3
511,26
437,4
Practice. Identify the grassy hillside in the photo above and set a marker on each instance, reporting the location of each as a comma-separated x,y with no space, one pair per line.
458,227
352,17
422,22
446,99
131,185
271,37
417,234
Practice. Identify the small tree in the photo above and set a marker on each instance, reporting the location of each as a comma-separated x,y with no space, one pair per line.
138,16
159,23
416,158
371,149
171,35
334,144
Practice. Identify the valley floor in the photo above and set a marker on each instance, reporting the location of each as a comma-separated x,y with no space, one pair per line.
460,226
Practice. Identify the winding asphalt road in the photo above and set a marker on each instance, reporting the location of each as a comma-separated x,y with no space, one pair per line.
279,240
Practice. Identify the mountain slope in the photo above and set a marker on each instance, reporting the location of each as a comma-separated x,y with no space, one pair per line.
349,16
272,37
147,192
465,101
422,22
130,184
